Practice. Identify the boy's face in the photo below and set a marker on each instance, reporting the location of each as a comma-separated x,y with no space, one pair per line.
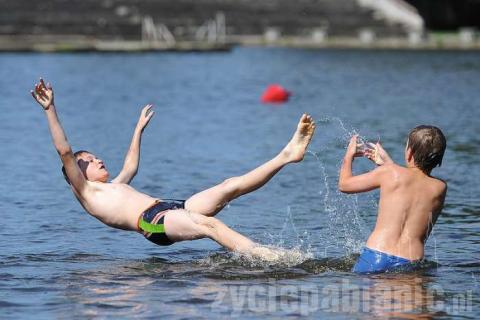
93,168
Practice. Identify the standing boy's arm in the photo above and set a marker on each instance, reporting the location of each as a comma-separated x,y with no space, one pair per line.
348,183
43,94
132,159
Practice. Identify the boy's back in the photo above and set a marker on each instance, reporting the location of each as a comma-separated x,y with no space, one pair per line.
410,202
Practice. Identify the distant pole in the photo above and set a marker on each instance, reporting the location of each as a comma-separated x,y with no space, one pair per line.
213,30
156,34
221,27
149,32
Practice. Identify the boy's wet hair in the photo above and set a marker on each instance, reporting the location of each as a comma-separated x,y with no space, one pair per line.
76,154
428,145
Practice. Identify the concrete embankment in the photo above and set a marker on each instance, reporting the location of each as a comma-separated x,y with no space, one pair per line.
204,25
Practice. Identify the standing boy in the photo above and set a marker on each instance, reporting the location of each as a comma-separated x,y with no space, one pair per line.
410,199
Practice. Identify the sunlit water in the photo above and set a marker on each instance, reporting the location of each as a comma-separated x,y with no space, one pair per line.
58,262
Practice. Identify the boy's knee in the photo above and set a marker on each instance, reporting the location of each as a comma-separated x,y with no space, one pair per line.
211,225
204,226
211,222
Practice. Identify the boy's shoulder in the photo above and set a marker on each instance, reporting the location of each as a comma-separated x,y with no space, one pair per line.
439,183
393,168
389,173
394,174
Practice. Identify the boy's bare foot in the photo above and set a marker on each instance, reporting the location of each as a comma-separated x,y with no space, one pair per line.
295,149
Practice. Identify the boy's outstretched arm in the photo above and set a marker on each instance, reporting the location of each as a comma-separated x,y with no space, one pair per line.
43,94
348,183
132,159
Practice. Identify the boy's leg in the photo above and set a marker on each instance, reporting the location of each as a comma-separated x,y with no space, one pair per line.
181,225
211,201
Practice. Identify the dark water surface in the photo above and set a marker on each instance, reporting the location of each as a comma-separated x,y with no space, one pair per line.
58,262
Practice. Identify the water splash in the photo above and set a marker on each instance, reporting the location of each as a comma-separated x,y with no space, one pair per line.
434,238
346,225
262,256
277,256
301,240
276,251
345,230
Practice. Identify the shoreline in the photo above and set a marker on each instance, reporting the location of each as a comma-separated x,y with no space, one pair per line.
71,44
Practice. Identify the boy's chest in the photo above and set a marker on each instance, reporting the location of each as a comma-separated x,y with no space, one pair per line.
116,199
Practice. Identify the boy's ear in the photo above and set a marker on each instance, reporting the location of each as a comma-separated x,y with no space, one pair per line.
409,154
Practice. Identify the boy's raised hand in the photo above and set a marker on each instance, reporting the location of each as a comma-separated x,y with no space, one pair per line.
145,116
43,94
377,154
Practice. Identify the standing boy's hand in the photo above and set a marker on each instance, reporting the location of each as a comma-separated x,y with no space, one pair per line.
352,148
377,154
145,116
43,94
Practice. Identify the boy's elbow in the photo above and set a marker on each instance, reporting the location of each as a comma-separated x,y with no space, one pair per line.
64,152
343,187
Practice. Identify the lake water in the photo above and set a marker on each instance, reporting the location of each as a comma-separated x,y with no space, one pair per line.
58,262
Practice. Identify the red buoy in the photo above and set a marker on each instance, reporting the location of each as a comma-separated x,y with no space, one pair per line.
275,94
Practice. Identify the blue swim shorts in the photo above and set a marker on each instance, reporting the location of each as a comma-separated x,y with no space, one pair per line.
373,261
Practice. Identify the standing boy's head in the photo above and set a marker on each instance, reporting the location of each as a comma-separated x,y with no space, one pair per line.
93,169
425,147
